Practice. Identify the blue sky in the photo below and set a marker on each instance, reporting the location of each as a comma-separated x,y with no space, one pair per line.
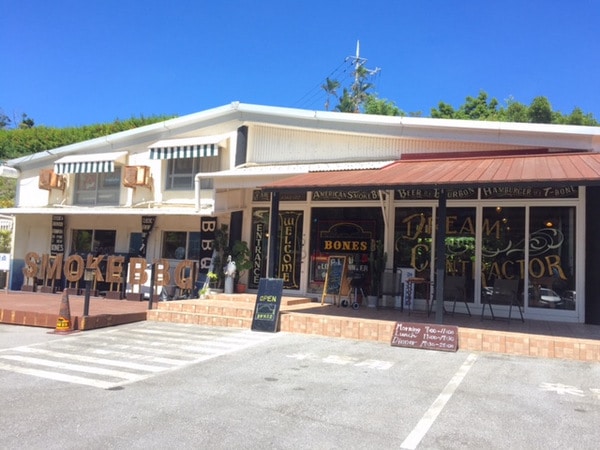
71,63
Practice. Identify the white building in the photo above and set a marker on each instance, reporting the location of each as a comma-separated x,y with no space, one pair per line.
522,202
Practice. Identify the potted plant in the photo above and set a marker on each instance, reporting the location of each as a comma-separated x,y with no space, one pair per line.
209,285
377,261
240,254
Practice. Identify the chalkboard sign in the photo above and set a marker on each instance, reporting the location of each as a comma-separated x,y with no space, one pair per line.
268,301
336,273
425,335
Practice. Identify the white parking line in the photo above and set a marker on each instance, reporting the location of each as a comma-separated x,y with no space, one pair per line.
421,429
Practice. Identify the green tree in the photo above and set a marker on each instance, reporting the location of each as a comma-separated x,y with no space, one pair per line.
443,111
5,241
346,102
578,117
26,121
4,120
382,107
479,108
8,188
26,140
515,112
540,110
360,88
330,87
474,108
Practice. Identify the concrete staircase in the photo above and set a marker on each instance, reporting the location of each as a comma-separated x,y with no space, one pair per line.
222,310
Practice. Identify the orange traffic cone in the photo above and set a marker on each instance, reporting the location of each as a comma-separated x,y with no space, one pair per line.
63,323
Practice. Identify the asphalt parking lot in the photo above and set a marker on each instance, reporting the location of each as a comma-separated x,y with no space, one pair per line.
287,391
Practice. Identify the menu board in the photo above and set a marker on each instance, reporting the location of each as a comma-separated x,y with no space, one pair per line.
268,301
425,335
336,272
57,244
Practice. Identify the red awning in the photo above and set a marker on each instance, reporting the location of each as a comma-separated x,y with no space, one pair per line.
565,168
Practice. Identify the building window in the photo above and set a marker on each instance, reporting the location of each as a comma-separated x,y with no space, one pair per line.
552,257
98,188
503,248
135,244
539,253
97,242
345,232
181,245
181,172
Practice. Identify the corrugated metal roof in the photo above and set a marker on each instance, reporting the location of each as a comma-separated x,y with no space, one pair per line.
291,169
573,168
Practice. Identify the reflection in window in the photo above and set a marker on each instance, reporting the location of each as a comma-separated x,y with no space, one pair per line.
135,244
98,188
97,242
181,245
552,257
460,246
503,250
412,242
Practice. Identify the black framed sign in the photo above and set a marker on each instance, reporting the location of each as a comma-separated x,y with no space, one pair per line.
334,277
268,302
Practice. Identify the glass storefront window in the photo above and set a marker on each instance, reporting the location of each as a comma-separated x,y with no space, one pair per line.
413,244
552,257
412,241
460,246
503,247
346,232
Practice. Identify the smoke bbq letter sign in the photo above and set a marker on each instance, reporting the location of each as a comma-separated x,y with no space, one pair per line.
425,335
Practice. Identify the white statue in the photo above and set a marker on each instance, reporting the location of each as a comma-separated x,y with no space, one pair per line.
230,269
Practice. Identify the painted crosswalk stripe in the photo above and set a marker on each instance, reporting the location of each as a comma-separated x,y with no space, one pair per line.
123,355
51,375
90,359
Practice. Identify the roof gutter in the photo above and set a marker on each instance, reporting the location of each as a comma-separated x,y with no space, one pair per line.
9,172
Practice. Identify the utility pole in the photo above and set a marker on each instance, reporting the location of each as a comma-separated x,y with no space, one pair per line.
358,63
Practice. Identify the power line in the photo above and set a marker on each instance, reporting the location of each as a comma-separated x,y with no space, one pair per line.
317,90
346,73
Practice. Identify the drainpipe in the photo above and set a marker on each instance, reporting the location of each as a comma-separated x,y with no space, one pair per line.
197,190
197,200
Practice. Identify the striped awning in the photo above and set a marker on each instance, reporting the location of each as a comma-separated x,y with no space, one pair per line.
186,148
90,163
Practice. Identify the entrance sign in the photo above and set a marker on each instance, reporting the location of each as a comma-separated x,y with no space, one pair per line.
268,301
334,277
425,335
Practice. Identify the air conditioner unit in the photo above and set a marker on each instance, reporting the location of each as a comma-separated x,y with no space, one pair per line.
50,180
136,176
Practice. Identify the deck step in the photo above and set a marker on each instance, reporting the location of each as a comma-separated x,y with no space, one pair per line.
225,310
